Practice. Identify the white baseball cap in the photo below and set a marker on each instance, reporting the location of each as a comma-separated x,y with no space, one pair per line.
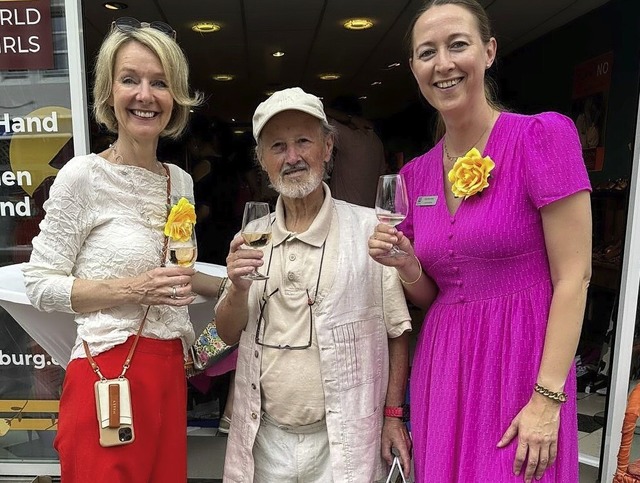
294,99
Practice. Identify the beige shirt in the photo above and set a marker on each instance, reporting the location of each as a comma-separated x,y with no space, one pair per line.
291,381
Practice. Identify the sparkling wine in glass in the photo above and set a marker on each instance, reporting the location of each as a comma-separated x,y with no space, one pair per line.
182,252
256,230
392,205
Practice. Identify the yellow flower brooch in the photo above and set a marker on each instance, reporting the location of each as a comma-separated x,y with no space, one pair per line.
180,221
470,174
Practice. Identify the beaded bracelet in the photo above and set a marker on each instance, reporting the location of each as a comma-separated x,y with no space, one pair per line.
559,396
419,275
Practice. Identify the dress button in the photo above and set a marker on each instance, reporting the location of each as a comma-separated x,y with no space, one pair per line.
256,353
456,269
254,415
450,253
291,276
292,257
450,236
459,283
461,298
453,220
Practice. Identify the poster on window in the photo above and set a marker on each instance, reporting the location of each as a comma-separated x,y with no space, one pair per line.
591,82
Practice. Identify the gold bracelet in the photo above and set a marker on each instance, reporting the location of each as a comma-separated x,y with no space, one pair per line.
559,396
419,275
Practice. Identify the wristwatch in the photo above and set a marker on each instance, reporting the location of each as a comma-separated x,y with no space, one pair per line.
401,412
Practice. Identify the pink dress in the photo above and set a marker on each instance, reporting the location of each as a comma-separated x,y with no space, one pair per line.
480,346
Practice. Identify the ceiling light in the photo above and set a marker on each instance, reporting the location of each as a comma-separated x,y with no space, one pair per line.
115,5
376,83
279,53
358,24
205,27
329,76
238,131
222,77
269,93
362,98
394,65
233,119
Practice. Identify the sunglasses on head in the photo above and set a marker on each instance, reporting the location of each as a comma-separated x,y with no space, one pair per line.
127,24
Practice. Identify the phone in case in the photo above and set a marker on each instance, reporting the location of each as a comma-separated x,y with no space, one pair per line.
113,406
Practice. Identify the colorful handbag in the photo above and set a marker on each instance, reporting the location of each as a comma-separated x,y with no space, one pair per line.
208,349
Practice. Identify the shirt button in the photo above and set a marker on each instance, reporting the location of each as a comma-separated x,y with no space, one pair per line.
292,257
256,353
459,283
461,298
253,386
291,276
254,415
450,236
456,269
450,253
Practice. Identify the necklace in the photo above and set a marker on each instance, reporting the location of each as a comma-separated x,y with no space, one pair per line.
141,207
119,159
452,157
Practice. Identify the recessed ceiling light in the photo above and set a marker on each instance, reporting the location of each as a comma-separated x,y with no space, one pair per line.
362,98
223,77
358,24
233,119
205,27
329,76
279,53
269,93
115,5
376,83
394,65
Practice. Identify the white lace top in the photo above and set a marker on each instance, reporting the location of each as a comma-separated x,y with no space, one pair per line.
105,221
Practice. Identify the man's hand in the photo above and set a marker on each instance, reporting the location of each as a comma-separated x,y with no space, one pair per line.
395,435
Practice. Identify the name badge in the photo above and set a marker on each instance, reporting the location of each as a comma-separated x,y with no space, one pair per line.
426,200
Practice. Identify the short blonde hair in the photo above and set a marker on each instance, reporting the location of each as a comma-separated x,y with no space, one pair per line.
175,66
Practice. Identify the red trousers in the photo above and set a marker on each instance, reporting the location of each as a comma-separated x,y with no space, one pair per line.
158,398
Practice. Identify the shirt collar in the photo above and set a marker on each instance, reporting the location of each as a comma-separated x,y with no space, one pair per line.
316,234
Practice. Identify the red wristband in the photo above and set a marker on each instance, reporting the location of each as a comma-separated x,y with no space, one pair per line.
394,412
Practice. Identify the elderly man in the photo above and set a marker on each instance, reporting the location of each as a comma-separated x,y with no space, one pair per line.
320,381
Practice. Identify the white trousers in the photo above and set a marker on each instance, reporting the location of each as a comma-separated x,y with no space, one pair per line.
291,455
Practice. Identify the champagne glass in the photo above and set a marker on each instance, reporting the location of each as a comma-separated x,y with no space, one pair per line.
182,252
256,230
392,205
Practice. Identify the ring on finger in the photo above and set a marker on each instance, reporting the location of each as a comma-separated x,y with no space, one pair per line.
174,292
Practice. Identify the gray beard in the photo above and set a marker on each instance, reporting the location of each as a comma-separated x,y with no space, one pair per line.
298,189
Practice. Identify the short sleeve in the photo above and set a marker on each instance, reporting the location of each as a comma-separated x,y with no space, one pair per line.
554,167
396,314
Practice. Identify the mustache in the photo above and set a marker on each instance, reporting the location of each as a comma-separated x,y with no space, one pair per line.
289,168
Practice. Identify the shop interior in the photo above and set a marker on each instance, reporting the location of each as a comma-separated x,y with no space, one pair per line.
249,48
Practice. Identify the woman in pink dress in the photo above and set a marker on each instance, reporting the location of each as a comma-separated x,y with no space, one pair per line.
502,242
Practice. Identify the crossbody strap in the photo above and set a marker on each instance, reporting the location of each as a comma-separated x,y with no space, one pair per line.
127,361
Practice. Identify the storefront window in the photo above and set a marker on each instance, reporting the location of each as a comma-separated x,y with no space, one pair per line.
35,141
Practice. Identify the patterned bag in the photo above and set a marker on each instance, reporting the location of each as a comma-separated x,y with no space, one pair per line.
208,349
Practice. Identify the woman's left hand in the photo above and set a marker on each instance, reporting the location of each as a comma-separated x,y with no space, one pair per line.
536,426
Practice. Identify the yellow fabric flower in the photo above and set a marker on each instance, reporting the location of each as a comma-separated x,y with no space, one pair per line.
180,221
470,174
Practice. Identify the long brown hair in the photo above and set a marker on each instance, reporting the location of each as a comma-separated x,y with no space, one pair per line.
486,32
